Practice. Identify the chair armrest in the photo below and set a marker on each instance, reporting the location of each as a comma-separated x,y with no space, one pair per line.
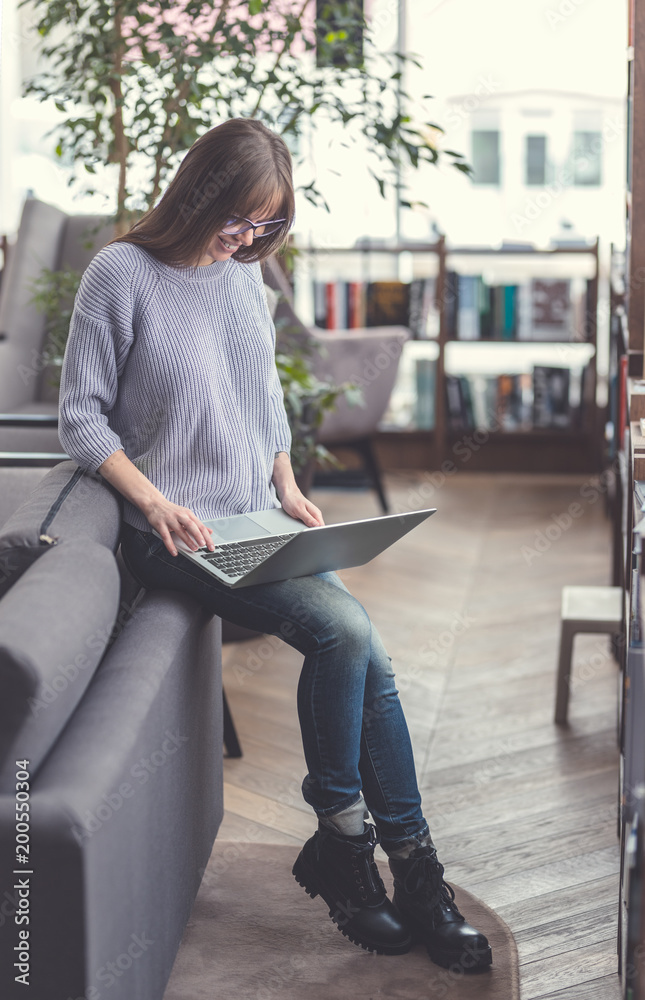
28,420
30,458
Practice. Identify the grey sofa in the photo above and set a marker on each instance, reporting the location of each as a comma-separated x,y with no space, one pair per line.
113,695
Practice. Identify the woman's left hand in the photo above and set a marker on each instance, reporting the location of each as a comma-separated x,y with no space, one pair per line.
296,505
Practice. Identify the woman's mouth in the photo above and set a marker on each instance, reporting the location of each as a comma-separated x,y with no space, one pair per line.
228,246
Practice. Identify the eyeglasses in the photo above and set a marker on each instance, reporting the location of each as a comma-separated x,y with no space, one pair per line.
238,225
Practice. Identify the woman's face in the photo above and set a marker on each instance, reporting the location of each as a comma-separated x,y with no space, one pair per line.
223,246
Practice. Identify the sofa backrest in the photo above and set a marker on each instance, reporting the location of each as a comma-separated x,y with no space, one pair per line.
55,624
82,238
22,327
60,588
47,238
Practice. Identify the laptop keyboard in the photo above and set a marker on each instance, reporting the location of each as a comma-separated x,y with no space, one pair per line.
239,558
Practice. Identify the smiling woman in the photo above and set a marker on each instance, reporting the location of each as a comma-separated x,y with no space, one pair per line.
170,390
239,167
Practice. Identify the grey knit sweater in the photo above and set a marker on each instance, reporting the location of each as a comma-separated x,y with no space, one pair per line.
177,367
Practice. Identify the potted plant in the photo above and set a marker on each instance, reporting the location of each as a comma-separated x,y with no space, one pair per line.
138,83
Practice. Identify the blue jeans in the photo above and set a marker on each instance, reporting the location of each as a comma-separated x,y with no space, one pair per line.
354,734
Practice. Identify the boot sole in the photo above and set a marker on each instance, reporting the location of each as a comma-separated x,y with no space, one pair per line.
305,877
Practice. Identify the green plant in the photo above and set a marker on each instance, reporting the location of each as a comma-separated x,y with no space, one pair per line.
306,401
54,293
138,83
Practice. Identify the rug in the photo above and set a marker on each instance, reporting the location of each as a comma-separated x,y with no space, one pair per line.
254,934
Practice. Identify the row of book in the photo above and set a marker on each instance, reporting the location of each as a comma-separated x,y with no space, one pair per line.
542,309
348,305
546,399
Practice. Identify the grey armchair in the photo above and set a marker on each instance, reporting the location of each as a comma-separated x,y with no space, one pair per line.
47,238
368,357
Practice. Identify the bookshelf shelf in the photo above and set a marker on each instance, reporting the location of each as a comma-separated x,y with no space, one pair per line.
540,375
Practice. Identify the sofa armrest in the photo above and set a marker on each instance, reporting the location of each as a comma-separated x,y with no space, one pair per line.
124,811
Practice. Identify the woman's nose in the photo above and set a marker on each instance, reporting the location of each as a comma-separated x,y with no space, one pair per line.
247,237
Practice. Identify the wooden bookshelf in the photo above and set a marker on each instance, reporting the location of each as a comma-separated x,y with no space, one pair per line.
570,449
407,446
575,448
626,465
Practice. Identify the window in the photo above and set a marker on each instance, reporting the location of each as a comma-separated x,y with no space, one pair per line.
535,159
485,157
587,150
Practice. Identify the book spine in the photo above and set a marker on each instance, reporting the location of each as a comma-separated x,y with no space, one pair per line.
331,319
320,305
342,310
508,330
468,314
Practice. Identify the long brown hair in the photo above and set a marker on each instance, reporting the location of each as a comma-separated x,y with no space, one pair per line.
233,169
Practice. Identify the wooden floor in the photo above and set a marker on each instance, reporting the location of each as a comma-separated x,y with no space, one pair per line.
523,812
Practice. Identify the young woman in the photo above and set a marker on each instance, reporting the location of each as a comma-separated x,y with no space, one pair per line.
169,389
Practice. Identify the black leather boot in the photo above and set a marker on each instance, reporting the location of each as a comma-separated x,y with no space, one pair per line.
342,870
427,905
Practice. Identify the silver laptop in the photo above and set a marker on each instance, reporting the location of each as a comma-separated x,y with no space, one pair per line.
269,545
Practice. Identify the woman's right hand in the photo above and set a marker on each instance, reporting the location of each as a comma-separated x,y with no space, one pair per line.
166,517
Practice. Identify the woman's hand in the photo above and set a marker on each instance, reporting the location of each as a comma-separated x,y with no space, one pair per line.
293,501
296,505
165,517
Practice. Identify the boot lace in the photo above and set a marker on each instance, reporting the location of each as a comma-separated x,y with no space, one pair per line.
424,879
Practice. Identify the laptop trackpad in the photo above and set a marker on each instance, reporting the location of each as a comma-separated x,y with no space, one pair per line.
236,528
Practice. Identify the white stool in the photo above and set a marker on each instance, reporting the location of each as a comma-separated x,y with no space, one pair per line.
584,609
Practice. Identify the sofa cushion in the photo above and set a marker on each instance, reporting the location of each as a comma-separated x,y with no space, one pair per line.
55,624
68,502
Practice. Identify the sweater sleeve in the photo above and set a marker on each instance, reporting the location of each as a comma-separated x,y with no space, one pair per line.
281,422
283,431
100,338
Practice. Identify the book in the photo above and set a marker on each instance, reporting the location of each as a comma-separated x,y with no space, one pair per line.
388,303
551,397
331,305
509,327
424,407
320,305
451,303
468,311
551,314
423,315
356,305
458,410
